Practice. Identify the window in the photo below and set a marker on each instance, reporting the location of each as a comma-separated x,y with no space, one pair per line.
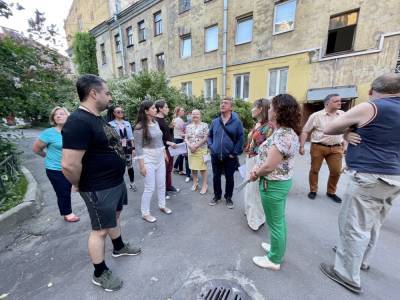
132,67
157,24
210,88
244,30
160,61
211,39
186,46
342,29
186,88
103,54
284,16
120,72
141,33
117,43
129,36
277,82
242,86
184,5
145,66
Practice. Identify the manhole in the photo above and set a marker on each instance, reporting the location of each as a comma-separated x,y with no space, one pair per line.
222,290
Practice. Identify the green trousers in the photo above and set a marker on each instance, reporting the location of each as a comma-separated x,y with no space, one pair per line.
273,197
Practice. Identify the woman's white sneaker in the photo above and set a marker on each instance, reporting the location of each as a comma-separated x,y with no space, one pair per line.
266,247
264,262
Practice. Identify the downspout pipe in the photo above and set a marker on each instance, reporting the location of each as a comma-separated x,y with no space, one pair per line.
117,10
224,47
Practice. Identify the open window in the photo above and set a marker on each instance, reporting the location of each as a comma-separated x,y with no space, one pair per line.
342,29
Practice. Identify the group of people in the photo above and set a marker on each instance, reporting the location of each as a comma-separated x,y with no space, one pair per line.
95,154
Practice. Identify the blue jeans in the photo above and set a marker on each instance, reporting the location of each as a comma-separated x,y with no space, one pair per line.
62,187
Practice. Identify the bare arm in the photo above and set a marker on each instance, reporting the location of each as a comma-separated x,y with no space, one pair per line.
38,148
72,165
357,116
303,138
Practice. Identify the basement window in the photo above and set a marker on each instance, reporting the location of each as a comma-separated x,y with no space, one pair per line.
342,29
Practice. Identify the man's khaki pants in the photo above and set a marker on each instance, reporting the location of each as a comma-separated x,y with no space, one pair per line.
333,157
367,202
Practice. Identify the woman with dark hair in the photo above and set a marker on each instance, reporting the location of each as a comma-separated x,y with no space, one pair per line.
116,119
150,153
274,170
162,112
260,132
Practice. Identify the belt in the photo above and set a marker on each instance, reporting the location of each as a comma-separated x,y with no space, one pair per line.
336,145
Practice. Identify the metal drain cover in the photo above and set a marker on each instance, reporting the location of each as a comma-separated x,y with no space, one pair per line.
220,289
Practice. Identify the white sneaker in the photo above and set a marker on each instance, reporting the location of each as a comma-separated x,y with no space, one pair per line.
266,247
149,218
166,210
264,262
187,179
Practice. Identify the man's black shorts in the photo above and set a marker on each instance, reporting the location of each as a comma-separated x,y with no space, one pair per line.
102,205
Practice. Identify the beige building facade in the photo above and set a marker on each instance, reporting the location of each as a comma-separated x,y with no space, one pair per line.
253,49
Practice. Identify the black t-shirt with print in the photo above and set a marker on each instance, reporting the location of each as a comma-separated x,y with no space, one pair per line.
103,164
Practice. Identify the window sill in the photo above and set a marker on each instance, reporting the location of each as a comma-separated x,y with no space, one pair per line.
119,51
211,51
129,46
186,57
142,41
244,43
338,53
158,34
183,11
282,32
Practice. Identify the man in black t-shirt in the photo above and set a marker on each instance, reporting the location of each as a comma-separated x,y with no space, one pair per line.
94,162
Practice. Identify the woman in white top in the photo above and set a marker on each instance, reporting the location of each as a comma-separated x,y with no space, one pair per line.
124,129
151,155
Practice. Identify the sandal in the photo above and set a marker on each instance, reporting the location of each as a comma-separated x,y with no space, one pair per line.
205,191
149,218
195,187
71,218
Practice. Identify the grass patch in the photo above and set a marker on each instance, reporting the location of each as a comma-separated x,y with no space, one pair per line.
14,194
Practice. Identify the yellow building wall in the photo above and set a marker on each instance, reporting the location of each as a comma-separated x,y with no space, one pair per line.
298,77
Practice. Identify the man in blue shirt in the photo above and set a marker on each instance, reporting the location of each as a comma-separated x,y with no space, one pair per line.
225,140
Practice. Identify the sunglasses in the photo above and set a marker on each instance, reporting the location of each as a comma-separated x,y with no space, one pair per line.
119,111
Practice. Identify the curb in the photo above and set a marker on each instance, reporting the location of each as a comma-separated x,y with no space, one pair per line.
29,207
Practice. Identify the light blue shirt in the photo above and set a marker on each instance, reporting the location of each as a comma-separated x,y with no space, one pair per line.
53,140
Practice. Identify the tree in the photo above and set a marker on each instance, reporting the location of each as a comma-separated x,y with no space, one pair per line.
84,53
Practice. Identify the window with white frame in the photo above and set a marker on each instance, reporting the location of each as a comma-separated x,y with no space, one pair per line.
145,65
117,39
160,61
184,5
129,36
186,46
210,88
132,67
158,29
211,38
186,88
277,82
244,30
242,82
141,31
284,16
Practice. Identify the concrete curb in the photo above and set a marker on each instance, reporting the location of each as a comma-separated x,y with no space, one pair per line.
29,207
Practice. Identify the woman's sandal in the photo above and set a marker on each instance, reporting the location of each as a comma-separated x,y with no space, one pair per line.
71,218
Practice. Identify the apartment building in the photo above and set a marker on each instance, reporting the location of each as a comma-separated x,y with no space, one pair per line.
253,49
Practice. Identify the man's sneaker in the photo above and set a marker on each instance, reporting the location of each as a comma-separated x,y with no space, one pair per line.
229,203
127,250
312,195
108,281
214,201
132,187
173,189
334,197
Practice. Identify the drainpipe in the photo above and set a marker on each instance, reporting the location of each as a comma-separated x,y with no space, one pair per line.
117,10
224,47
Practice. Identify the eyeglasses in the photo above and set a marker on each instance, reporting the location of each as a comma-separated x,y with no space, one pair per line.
119,111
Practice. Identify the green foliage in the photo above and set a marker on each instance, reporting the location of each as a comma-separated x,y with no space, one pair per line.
14,195
129,92
32,81
84,53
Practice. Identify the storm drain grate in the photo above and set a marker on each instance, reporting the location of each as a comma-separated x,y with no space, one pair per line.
222,290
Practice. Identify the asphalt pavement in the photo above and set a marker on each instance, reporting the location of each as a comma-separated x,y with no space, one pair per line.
46,258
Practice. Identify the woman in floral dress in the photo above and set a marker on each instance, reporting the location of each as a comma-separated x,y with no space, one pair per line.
274,170
196,140
260,132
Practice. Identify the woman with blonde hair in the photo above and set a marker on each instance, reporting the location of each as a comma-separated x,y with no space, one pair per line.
196,140
51,140
260,132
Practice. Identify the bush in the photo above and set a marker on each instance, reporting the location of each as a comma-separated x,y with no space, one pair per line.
14,195
130,92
